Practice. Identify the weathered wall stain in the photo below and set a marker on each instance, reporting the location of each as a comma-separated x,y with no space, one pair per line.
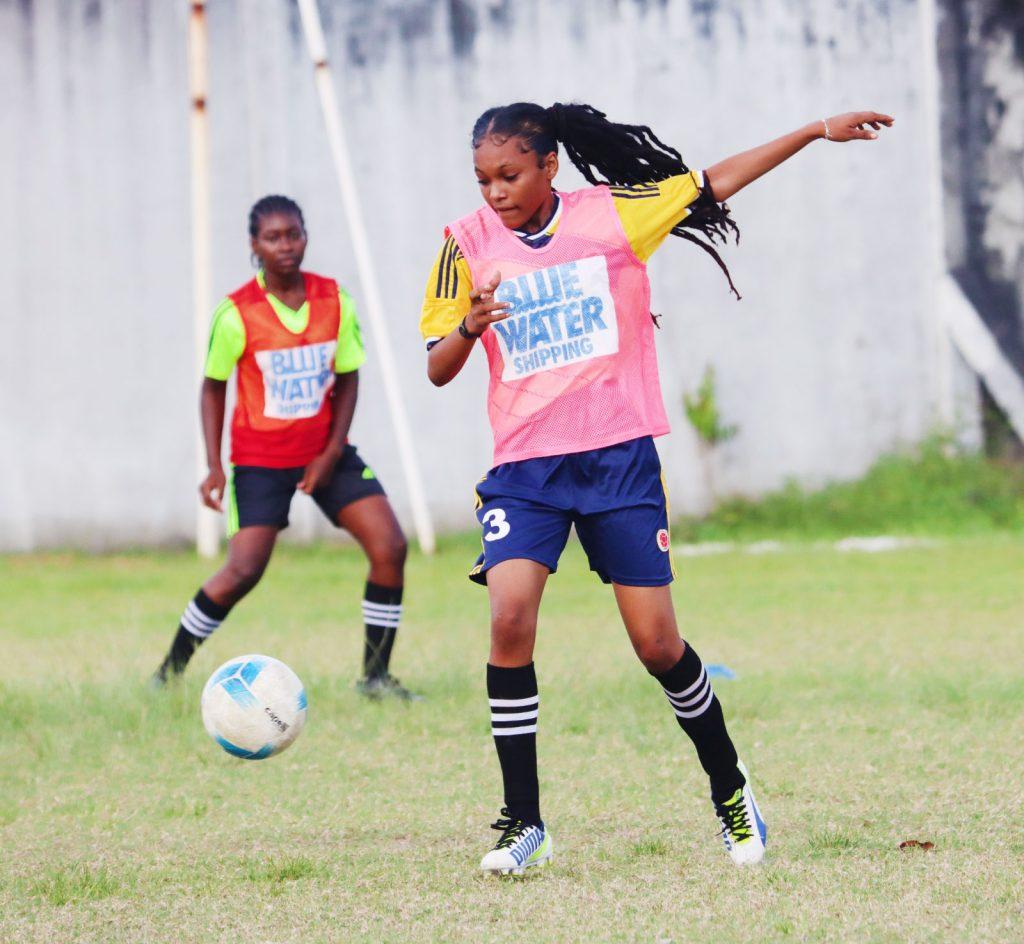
825,364
982,57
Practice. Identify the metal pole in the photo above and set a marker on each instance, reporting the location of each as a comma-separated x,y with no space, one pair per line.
367,274
207,524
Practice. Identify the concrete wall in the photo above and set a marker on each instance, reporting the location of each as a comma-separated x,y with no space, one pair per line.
824,365
982,55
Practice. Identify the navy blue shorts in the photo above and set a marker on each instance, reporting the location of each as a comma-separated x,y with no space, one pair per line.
258,495
614,496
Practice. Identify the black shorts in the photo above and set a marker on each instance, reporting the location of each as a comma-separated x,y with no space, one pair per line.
258,495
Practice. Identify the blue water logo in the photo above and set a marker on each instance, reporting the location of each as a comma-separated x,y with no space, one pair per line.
296,379
558,316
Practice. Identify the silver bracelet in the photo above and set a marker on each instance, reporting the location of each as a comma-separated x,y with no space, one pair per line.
828,134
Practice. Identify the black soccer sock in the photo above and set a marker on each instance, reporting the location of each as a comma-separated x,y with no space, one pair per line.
514,707
699,713
201,617
382,612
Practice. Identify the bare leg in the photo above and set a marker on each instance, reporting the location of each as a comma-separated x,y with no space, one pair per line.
372,522
248,554
650,620
515,588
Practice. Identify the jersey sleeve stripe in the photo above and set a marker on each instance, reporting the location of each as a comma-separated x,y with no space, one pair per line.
448,270
633,195
637,188
451,274
441,265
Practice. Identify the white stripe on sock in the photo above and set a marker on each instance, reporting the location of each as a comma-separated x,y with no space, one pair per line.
514,702
382,614
195,630
526,729
199,616
515,716
691,689
696,711
202,631
690,702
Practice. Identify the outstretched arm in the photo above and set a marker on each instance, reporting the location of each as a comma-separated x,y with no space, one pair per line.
734,173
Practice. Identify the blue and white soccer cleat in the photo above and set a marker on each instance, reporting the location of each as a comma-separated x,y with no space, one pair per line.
744,832
520,847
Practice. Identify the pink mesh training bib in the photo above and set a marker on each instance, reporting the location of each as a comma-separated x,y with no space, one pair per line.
574,366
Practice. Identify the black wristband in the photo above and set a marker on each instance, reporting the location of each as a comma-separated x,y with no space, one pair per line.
465,332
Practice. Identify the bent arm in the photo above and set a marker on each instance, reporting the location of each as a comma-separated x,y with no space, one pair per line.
734,173
211,410
346,392
447,357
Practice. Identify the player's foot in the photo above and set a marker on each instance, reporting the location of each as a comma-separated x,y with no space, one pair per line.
520,847
159,678
743,831
378,687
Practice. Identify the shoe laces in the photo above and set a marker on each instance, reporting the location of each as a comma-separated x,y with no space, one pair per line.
511,829
734,817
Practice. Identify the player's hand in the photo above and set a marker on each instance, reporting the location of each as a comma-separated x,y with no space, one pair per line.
211,489
486,310
317,472
854,125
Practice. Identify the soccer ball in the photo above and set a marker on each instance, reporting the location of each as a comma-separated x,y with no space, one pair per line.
254,706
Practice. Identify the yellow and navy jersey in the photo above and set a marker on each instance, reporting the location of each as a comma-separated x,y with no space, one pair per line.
648,213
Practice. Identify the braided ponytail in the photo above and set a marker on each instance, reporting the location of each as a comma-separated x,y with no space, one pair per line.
606,152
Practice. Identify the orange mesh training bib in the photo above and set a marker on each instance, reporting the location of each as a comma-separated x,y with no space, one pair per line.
283,414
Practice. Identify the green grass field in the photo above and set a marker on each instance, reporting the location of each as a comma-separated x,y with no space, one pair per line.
879,699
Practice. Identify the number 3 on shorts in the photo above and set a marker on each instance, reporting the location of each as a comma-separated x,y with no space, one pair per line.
497,520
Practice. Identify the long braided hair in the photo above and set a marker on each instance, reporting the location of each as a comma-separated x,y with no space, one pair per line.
606,152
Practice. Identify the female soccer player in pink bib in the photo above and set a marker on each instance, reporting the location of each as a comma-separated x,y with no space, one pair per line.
554,286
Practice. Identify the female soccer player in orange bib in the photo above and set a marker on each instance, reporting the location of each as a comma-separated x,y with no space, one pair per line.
554,286
294,339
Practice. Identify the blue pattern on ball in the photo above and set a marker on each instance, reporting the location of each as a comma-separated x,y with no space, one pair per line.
230,669
264,751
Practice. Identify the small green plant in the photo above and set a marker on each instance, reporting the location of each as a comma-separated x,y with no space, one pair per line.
283,869
703,413
77,882
830,840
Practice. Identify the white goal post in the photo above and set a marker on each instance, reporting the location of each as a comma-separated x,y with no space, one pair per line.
372,299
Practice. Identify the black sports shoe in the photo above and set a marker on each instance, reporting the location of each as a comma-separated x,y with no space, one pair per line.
379,687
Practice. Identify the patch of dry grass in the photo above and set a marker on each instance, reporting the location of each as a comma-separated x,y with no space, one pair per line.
878,699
